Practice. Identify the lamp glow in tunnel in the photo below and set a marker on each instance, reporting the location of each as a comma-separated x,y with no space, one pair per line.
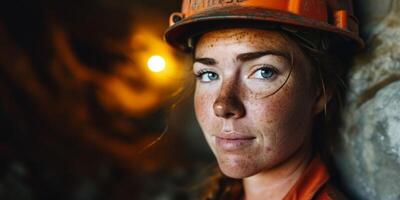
156,63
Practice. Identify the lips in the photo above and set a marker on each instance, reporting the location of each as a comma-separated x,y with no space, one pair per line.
233,142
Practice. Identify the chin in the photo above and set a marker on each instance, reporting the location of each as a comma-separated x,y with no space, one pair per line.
237,169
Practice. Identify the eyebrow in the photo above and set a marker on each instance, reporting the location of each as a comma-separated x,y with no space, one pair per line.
244,57
254,55
206,61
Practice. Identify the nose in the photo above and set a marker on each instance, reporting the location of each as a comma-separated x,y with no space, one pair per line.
228,104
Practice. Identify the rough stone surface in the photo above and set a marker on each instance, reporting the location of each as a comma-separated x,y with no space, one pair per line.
368,151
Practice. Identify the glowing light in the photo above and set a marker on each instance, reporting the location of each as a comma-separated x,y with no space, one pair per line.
156,63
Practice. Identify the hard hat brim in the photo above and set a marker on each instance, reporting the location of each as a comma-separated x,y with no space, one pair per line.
234,17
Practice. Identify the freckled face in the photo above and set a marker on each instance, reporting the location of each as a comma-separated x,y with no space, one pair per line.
254,98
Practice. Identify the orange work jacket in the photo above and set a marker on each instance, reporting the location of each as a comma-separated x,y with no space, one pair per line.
314,184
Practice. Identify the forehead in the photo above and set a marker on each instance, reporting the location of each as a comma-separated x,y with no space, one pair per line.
245,39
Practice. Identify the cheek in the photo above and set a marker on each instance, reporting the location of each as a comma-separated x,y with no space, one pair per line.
283,119
203,102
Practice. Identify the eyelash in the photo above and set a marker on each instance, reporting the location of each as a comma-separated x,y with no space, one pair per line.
200,73
266,67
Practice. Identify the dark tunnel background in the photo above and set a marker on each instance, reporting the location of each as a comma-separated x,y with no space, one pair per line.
82,114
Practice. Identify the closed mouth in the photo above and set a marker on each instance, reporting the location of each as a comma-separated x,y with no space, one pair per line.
234,142
236,138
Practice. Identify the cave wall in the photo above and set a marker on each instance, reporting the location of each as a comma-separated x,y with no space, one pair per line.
368,148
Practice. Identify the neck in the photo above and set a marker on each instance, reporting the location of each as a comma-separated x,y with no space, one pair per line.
275,183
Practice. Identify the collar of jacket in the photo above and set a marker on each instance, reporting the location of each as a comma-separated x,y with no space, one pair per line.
314,177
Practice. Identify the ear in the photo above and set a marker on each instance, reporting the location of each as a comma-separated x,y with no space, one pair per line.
322,98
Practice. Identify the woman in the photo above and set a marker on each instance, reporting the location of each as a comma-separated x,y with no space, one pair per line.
264,76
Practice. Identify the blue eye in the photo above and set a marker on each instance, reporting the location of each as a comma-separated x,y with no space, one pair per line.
265,72
207,76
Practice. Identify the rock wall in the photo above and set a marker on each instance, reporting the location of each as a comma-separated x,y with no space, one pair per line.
368,150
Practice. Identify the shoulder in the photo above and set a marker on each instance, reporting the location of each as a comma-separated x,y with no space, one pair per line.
330,192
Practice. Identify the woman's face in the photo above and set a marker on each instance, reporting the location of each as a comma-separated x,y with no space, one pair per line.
254,98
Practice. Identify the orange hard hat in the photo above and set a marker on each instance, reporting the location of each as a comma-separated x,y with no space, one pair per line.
332,18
